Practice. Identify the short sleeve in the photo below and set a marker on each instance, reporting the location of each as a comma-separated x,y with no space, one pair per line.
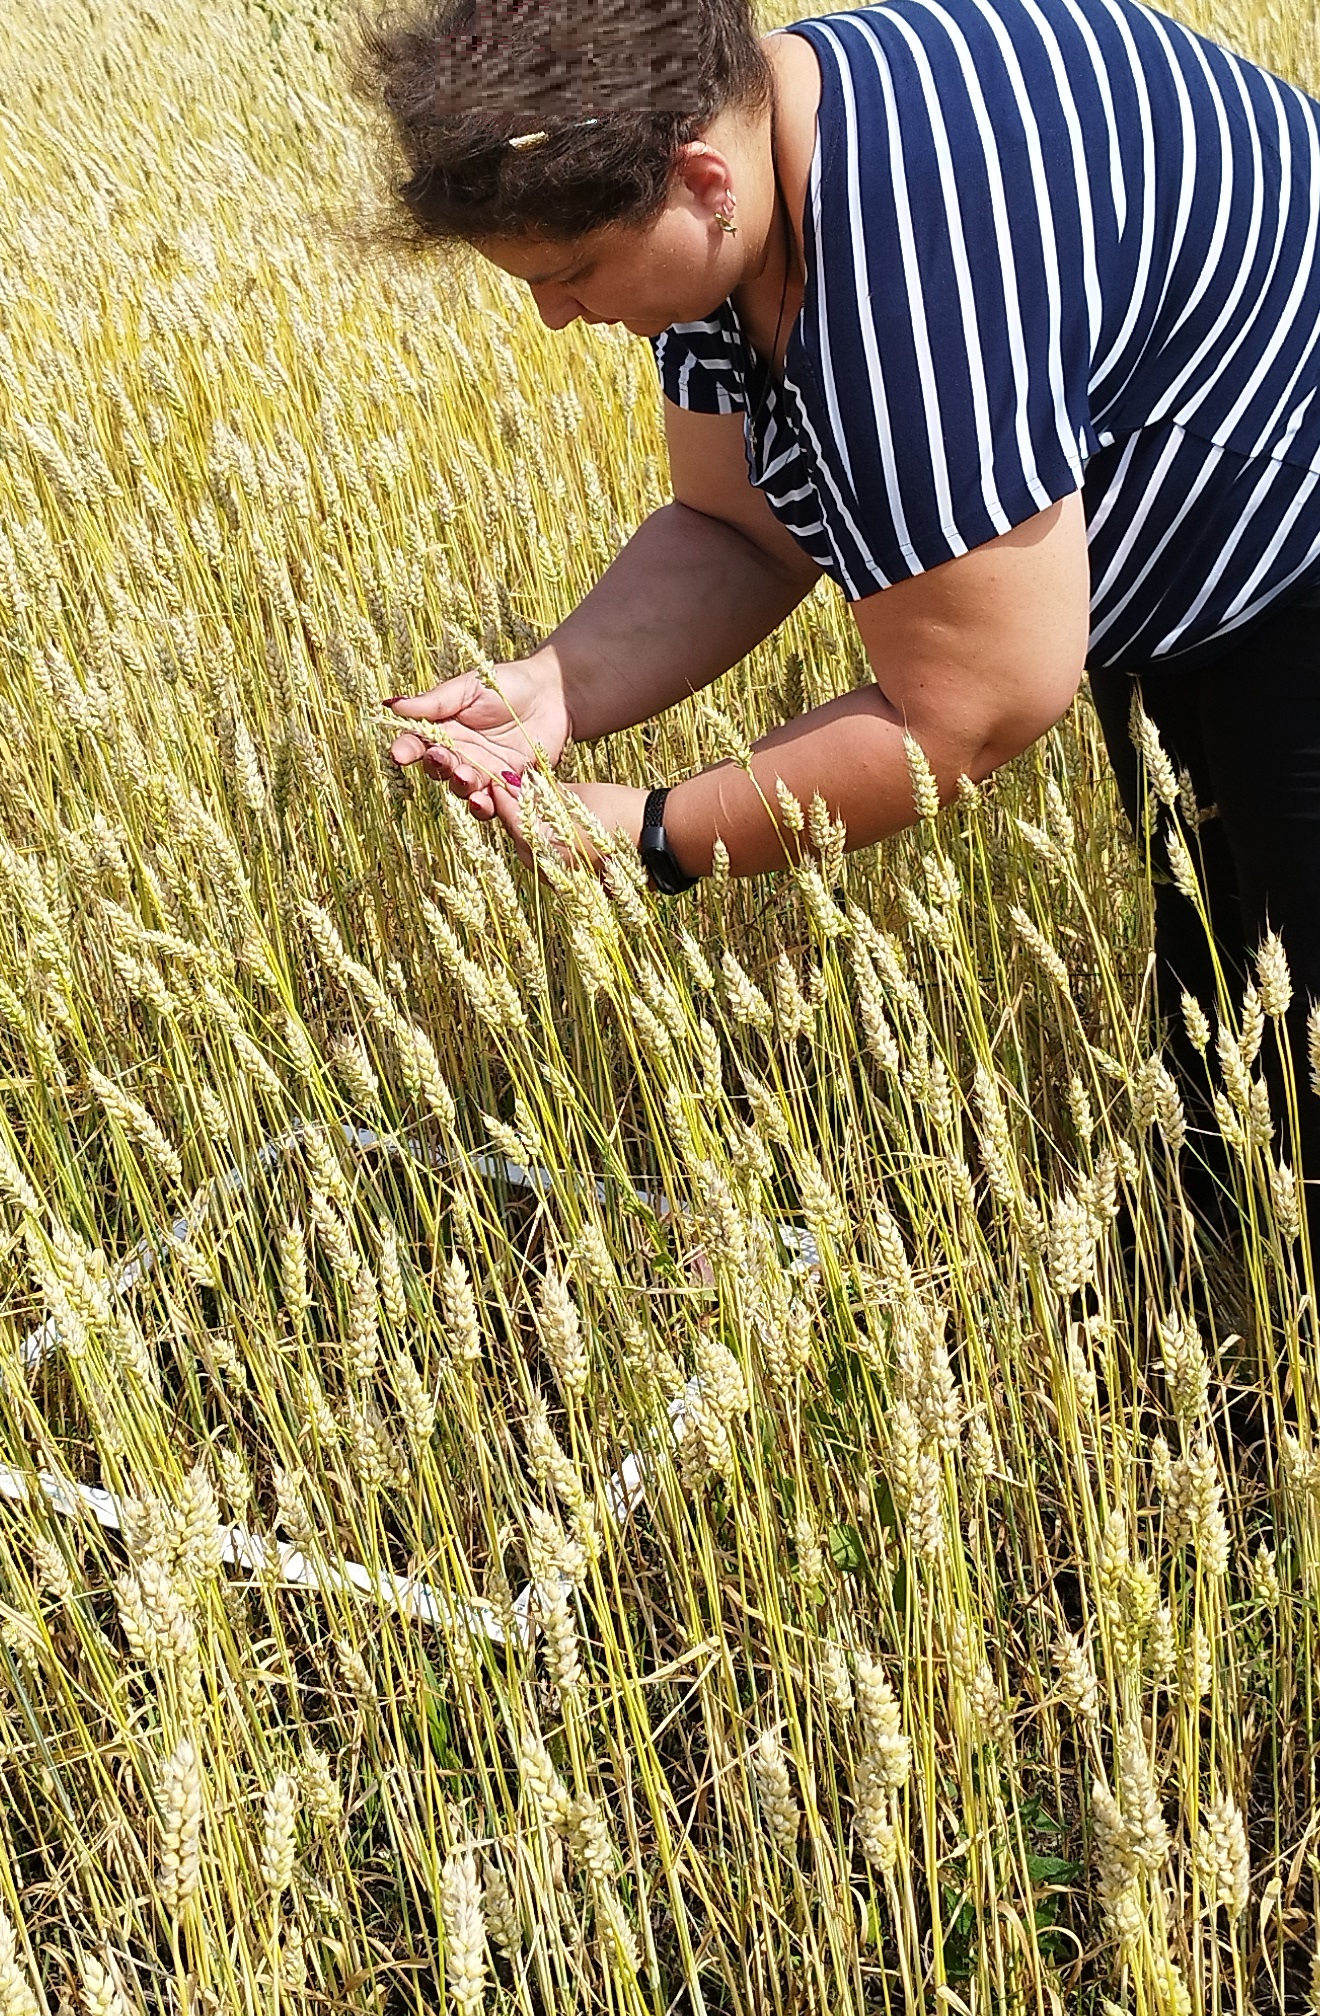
703,365
950,245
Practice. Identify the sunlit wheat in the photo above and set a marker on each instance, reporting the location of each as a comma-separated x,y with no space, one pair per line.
869,1529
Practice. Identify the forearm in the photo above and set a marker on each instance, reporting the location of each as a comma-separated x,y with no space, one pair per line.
977,659
686,598
851,751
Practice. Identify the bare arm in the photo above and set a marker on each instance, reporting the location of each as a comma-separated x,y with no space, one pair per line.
700,582
976,659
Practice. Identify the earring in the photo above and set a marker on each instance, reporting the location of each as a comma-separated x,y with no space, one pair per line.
727,223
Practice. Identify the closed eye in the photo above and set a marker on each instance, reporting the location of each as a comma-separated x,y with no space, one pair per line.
550,279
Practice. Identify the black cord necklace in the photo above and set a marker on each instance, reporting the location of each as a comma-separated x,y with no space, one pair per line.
780,203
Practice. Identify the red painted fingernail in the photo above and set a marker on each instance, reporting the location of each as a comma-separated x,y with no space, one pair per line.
390,699
513,780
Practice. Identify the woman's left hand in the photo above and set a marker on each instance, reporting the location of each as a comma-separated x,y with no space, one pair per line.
615,805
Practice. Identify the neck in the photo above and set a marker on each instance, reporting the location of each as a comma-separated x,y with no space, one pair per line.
770,267
776,252
784,148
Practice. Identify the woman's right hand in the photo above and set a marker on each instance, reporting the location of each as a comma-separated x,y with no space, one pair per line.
495,726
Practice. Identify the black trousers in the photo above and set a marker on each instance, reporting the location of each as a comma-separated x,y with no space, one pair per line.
1247,729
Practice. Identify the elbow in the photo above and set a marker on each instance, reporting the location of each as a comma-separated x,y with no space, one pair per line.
791,571
971,719
1008,730
1009,739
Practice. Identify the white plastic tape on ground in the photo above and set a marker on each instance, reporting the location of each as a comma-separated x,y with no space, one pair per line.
624,1490
288,1564
265,1557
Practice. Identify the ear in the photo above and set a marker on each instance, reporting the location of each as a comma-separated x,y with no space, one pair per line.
705,173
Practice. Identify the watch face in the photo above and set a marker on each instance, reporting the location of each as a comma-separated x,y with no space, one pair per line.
668,877
656,862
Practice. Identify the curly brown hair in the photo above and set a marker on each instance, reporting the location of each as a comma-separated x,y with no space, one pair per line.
596,95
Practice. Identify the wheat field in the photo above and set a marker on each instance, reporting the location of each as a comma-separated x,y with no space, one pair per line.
561,1451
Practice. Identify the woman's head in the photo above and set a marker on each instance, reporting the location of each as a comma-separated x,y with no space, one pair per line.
584,145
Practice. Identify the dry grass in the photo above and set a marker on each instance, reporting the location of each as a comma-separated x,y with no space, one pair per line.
955,1648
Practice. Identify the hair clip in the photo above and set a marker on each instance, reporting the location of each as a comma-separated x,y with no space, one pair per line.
521,140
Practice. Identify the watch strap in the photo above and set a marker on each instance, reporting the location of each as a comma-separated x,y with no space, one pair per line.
653,845
653,812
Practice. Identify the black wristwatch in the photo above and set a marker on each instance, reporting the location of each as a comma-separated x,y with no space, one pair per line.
653,846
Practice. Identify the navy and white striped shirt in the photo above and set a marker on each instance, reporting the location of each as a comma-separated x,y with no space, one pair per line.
1050,245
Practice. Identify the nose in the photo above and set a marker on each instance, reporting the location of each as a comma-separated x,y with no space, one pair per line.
556,306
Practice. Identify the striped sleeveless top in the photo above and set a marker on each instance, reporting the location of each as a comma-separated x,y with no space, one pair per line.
1050,245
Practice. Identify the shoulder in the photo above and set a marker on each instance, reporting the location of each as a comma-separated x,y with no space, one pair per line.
921,95
791,55
859,39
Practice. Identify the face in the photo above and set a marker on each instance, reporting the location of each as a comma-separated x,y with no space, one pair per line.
676,269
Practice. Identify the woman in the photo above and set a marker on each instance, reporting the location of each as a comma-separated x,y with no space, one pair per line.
1005,315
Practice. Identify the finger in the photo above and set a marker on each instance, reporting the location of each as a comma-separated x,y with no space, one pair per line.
442,759
450,697
463,781
408,748
447,768
504,803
